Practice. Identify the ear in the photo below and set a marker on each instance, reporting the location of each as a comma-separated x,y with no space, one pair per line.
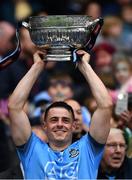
44,125
43,122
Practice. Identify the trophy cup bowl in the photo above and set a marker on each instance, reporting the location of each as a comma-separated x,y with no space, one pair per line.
61,34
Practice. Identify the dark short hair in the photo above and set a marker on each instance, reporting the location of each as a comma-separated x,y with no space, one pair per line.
60,104
61,76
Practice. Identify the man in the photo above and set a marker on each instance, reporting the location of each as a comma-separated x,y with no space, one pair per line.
80,128
9,162
59,159
114,164
7,32
60,86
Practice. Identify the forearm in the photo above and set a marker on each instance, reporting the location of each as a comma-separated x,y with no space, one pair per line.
98,89
19,122
21,92
100,123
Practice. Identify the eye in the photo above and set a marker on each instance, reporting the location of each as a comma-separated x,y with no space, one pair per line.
53,119
123,146
79,112
66,120
111,145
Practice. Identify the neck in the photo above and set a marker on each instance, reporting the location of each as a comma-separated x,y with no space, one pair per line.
58,146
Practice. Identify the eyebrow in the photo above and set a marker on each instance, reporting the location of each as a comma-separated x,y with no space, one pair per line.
63,117
60,117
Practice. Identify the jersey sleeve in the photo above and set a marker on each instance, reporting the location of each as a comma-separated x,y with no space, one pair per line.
91,148
25,151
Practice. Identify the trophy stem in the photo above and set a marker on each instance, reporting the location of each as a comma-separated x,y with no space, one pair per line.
59,53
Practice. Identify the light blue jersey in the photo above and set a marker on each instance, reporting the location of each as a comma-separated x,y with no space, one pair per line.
79,161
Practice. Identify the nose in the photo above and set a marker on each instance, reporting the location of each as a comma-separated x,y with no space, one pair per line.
59,87
77,121
59,123
118,148
76,115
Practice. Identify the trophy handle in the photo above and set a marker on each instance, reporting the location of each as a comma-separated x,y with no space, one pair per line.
97,24
13,56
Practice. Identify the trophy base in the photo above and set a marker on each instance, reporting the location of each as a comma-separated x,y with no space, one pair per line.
60,57
58,53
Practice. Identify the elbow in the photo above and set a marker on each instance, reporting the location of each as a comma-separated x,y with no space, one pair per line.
107,104
12,104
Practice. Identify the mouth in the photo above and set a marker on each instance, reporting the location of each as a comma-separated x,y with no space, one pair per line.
117,159
60,131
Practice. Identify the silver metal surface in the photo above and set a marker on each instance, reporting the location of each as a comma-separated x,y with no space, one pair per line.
60,33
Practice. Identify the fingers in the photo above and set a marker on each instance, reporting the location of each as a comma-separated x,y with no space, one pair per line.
84,55
125,118
125,114
39,55
81,52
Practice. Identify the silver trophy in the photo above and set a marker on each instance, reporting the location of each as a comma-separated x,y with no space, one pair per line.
60,35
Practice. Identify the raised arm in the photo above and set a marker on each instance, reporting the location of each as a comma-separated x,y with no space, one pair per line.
100,124
19,122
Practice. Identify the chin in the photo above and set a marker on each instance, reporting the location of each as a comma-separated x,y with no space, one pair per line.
116,166
59,138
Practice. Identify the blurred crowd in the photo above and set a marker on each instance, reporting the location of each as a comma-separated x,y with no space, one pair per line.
111,58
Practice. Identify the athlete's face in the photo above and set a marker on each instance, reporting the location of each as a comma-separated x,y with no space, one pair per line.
59,125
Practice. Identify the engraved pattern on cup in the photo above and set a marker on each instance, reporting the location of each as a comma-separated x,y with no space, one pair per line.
59,33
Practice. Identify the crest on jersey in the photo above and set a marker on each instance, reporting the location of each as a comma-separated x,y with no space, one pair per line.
73,153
